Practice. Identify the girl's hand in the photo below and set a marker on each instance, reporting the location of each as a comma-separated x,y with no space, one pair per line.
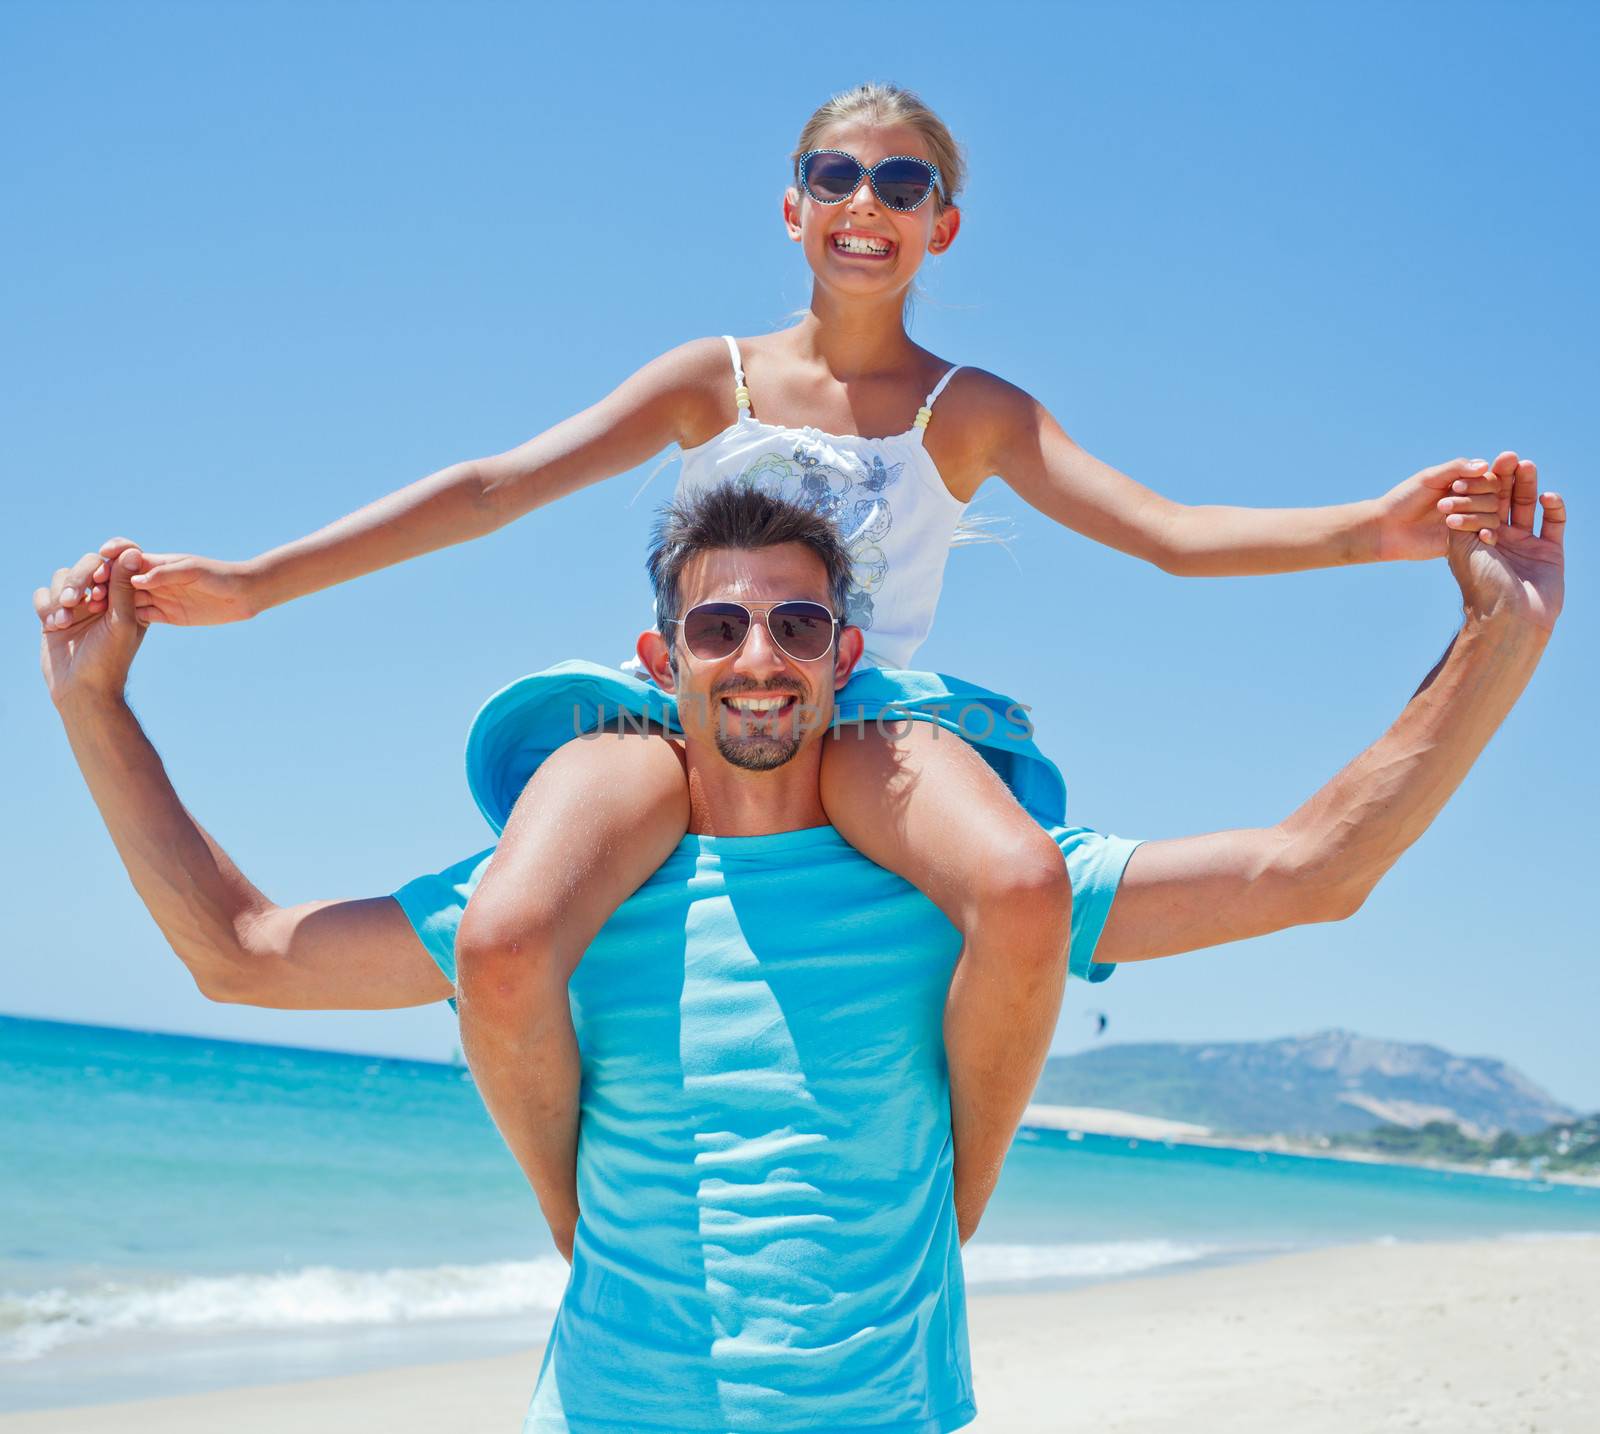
1415,518
187,590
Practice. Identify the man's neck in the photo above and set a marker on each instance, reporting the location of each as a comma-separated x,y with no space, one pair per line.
729,801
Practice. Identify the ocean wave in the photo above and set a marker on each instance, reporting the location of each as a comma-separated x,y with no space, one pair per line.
323,1296
318,1296
998,1264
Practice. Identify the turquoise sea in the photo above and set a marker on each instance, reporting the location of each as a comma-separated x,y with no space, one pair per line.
180,1214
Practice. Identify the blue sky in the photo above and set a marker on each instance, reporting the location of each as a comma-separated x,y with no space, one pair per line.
266,263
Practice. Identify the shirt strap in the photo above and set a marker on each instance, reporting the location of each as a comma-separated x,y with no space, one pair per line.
741,394
925,413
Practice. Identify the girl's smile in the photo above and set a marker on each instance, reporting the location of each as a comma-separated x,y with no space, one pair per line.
858,243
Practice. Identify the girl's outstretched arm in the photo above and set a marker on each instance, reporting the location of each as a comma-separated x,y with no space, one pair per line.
1030,451
670,396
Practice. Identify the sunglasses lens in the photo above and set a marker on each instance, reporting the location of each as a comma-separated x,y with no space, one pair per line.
903,183
830,177
802,629
714,629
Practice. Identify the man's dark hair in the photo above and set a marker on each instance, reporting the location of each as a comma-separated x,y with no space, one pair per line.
732,514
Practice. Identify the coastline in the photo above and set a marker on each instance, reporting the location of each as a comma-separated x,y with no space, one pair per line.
1471,1336
1101,1120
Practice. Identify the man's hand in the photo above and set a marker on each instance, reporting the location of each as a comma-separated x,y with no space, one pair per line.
178,588
89,658
1414,519
1519,574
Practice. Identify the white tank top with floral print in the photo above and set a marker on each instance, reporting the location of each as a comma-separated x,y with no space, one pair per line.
884,495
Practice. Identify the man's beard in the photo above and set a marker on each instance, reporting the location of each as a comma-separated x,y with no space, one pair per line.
758,753
771,744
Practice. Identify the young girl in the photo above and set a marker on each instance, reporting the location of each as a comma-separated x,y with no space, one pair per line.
844,413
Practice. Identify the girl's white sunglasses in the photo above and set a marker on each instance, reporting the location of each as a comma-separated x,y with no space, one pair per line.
902,182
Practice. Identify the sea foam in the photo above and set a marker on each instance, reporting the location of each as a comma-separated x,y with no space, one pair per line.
999,1264
322,1296
318,1296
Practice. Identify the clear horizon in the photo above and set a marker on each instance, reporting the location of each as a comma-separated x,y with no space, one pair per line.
272,263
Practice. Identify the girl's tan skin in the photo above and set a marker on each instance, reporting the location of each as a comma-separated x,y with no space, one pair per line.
600,816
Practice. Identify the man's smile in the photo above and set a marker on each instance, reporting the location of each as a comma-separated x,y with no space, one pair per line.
756,709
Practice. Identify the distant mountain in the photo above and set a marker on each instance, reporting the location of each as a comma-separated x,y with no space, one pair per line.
1321,1084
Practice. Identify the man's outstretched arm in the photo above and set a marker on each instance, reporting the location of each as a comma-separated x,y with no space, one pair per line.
239,946
1322,862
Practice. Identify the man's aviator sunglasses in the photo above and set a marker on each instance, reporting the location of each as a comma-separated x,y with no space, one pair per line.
901,182
714,630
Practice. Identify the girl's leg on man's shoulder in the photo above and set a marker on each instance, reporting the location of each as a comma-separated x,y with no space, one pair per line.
919,800
592,824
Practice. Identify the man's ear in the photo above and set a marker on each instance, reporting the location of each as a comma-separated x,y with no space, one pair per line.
653,651
851,645
945,229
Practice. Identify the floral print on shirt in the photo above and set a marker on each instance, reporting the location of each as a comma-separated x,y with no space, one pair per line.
854,502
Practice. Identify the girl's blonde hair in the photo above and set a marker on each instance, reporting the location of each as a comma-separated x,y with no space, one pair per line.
886,105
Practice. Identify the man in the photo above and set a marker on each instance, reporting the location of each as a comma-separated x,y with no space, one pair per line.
768,1237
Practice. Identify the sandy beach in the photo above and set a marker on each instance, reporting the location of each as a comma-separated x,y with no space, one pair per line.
1099,1120
1487,1335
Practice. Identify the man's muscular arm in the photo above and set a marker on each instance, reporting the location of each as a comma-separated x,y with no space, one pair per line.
239,946
1321,862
